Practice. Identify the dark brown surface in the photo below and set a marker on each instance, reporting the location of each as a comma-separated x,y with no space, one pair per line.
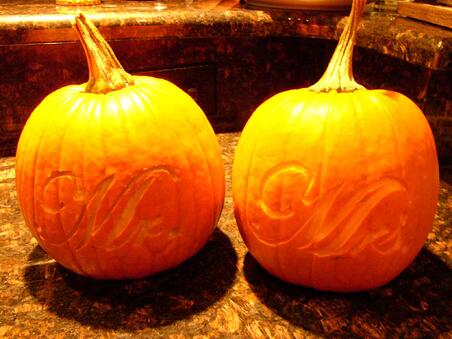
220,292
229,77
33,21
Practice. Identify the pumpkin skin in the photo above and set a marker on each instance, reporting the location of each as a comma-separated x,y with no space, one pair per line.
336,190
123,184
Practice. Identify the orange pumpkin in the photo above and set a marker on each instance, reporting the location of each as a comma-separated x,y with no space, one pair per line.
335,186
121,177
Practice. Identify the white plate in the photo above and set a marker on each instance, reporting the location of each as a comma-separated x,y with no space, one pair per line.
324,5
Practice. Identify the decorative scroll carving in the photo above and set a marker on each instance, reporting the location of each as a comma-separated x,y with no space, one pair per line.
84,216
334,222
275,180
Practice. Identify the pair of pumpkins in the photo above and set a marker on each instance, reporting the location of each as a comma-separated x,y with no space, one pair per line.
334,186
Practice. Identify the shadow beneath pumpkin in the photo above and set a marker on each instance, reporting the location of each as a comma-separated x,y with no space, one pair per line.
129,305
415,304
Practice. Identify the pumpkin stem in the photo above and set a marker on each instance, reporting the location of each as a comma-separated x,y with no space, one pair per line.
105,72
339,74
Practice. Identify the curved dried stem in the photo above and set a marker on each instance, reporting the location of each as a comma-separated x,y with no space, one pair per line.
105,72
339,74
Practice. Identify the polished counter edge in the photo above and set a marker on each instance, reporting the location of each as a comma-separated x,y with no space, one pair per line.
412,41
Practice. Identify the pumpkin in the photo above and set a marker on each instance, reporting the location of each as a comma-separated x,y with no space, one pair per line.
335,186
121,177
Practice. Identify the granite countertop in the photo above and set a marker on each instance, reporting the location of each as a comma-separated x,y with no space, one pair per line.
34,21
220,292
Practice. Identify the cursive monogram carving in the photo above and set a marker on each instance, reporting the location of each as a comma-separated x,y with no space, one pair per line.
339,220
276,180
115,213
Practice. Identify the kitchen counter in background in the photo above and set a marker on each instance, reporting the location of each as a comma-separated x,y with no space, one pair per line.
220,292
33,21
228,56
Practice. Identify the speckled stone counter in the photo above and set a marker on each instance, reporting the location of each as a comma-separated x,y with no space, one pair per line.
32,21
219,293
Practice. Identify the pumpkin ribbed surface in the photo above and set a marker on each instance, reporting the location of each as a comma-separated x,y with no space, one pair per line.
122,184
335,186
328,193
